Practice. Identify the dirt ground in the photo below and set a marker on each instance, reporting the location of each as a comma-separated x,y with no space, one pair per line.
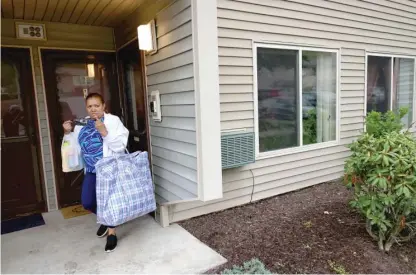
300,232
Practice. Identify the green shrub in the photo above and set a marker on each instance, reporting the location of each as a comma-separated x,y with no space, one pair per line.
309,128
382,169
254,266
378,124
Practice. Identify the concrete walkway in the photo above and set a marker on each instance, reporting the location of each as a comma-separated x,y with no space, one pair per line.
70,246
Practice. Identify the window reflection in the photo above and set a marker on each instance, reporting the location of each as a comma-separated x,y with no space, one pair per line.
318,96
279,104
277,98
385,93
73,84
403,87
13,120
378,83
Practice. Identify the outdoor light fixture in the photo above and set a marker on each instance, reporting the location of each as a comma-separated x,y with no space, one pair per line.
146,35
91,70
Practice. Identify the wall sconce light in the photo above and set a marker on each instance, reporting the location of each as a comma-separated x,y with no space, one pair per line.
146,35
91,70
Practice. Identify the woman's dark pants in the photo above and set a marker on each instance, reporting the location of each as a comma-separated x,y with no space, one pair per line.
89,194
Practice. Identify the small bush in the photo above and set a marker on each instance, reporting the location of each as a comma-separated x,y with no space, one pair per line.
337,268
382,170
378,124
254,266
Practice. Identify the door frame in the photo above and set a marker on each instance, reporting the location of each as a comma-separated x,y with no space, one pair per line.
38,159
122,97
69,55
123,101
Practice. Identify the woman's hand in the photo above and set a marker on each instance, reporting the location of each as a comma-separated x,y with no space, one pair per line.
99,125
67,125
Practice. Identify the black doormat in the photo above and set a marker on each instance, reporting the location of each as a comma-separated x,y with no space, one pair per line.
21,223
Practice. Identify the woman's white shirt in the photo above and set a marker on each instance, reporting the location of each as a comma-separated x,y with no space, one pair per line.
115,142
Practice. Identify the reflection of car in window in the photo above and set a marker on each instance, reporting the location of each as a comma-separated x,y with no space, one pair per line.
278,104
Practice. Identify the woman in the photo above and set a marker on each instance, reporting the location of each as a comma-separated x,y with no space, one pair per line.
104,135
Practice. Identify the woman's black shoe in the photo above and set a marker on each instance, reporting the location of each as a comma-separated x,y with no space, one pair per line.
111,243
102,231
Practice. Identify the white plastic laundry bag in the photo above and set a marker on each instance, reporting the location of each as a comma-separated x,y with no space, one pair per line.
71,155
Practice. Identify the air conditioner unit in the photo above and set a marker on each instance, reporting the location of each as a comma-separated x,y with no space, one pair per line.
237,149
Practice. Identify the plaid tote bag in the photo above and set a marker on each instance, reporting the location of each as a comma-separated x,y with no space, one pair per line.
124,188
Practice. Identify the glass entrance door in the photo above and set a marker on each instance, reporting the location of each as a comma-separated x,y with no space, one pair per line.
131,70
69,78
21,190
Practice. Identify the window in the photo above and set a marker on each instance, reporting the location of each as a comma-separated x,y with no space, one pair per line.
391,85
297,101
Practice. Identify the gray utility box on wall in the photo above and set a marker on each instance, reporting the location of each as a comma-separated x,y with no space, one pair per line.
237,150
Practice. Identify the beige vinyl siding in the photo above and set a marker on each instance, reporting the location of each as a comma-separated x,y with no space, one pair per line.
173,140
353,27
59,36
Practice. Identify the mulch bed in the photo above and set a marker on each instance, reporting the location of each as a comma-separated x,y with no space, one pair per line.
300,232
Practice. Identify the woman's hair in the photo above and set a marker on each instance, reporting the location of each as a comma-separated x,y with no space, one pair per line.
95,95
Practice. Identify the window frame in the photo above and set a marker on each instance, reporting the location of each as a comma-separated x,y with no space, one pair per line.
301,148
391,56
